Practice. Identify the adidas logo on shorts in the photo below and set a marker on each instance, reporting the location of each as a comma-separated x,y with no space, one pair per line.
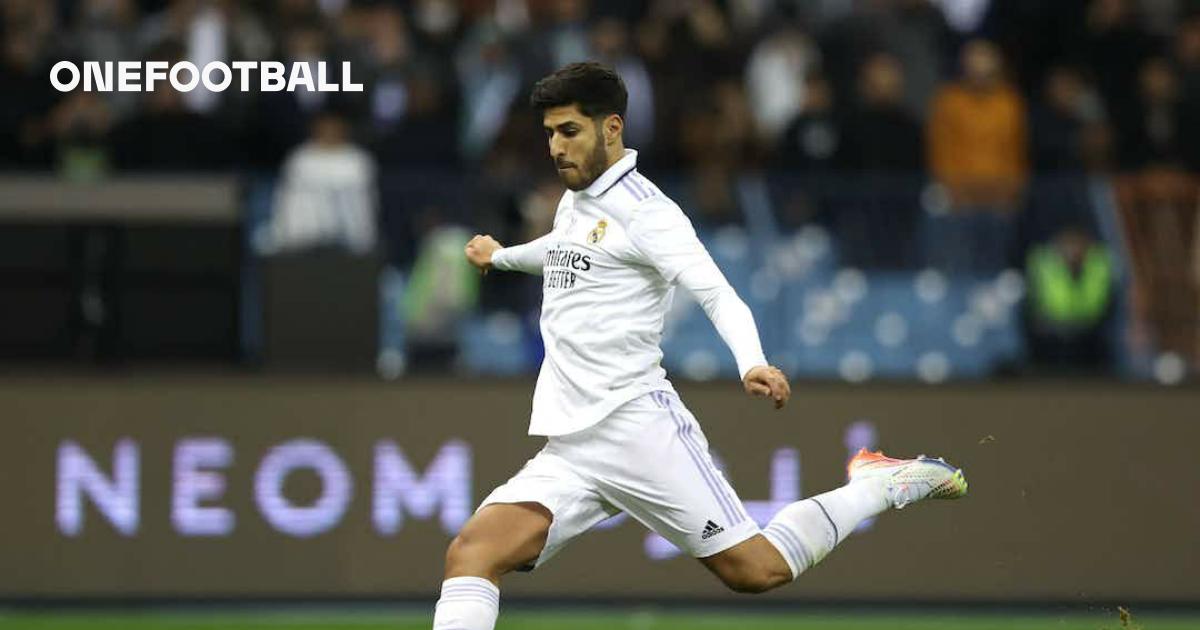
711,529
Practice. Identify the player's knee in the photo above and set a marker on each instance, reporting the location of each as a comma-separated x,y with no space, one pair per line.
457,553
466,556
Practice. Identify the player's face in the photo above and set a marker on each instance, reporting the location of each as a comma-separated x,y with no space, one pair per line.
576,146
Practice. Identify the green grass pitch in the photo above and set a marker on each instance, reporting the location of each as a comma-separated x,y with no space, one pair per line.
647,619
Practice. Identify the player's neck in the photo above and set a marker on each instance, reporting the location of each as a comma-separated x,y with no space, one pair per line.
613,154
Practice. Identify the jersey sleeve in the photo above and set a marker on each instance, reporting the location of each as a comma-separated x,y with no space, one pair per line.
527,257
666,240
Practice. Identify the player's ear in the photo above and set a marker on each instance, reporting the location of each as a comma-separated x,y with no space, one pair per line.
612,128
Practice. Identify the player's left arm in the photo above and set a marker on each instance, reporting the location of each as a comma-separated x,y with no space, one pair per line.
486,253
669,243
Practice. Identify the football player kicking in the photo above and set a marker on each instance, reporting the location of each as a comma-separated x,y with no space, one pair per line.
619,439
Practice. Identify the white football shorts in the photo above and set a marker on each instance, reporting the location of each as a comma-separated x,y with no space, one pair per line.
648,458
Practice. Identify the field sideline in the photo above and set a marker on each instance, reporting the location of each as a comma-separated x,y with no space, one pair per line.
649,619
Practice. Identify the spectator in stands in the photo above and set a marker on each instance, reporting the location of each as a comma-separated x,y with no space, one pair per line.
688,46
1059,120
1068,140
442,293
847,41
1056,123
775,80
914,31
489,76
565,32
812,137
977,133
426,133
166,136
1155,132
882,152
25,139
965,16
804,156
920,37
712,84
529,215
437,24
382,51
327,193
879,134
1114,46
209,31
1071,287
610,44
106,30
80,126
977,153
281,120
717,137
1187,57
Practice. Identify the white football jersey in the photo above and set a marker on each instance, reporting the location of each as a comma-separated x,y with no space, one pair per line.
609,267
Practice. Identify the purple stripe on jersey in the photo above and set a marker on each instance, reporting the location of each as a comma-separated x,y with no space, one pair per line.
694,451
629,187
637,183
651,190
621,178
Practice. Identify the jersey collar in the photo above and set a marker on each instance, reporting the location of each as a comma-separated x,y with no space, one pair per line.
610,177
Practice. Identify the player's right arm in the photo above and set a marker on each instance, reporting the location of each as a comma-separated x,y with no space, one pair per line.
669,243
485,252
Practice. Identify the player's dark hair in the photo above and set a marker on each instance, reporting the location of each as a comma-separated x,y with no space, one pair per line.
595,87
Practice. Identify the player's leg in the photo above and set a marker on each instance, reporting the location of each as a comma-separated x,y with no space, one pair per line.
806,531
518,526
797,538
751,566
651,460
498,539
660,471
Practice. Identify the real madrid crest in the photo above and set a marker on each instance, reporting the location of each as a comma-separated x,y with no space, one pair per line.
598,232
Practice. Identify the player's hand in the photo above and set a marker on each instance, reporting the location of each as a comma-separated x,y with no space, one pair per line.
766,380
479,251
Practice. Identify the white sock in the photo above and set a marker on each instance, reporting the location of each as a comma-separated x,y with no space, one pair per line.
806,531
467,603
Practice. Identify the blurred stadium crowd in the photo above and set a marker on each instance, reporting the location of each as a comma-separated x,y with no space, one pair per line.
929,188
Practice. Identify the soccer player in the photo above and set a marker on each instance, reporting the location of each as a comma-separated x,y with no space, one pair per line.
618,437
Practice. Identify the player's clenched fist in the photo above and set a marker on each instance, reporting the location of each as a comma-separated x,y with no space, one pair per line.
480,249
766,380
